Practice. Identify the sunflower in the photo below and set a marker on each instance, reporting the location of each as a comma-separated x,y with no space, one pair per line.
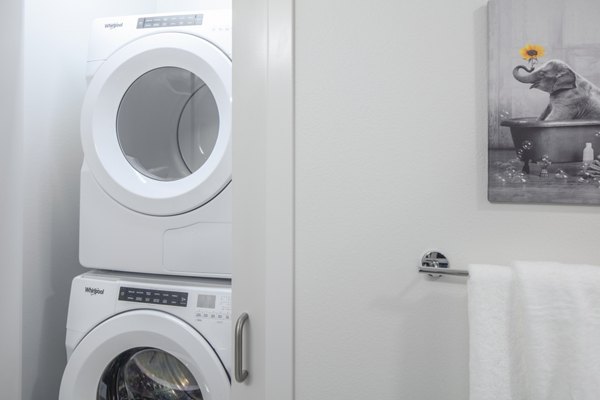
531,52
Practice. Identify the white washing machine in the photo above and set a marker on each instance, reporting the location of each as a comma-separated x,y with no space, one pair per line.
156,137
132,337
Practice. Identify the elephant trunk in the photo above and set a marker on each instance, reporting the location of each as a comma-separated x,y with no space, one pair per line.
531,78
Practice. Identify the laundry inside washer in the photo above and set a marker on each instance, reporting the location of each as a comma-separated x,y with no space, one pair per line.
148,373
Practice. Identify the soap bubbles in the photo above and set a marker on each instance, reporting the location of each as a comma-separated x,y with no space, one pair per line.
509,174
515,162
510,171
526,145
561,174
519,177
500,179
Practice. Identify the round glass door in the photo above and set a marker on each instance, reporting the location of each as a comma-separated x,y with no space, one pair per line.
144,355
148,373
168,123
156,124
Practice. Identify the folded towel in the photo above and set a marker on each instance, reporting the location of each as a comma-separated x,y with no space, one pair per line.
543,341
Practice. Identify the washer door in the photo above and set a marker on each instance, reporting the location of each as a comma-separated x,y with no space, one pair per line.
144,354
156,124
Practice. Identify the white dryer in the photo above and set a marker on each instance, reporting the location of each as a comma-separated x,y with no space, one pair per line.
156,137
132,337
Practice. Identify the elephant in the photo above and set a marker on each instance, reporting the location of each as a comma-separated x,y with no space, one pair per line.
571,95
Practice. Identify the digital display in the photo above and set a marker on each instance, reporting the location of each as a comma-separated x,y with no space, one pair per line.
170,20
153,296
206,301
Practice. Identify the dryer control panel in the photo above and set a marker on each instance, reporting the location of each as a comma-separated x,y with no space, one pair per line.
162,21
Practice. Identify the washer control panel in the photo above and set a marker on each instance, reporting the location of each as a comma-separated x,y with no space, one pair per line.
213,307
163,21
153,296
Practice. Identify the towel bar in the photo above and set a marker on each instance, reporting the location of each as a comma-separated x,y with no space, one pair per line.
436,264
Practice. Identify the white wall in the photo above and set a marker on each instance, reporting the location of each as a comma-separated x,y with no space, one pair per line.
10,198
391,161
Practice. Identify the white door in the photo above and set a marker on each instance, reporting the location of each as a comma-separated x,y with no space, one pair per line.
263,210
144,354
156,123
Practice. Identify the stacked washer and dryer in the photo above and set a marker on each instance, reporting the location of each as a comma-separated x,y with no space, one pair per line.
152,319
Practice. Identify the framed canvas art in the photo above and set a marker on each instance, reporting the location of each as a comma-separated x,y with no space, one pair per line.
544,101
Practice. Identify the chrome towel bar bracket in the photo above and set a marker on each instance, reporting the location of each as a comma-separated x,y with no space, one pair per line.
436,264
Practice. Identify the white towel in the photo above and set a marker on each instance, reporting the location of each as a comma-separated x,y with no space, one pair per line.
535,332
489,310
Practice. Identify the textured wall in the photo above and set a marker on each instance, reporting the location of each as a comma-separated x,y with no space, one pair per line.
391,136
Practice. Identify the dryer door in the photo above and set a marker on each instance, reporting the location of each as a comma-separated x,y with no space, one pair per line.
144,354
156,124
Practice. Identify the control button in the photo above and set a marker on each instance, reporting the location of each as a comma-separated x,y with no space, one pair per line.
138,299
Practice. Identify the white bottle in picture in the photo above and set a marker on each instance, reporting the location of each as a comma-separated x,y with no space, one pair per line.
588,154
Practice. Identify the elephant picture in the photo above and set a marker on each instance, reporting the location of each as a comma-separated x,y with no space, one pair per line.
544,102
571,95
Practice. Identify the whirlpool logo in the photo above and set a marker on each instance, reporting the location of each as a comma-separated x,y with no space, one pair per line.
113,25
93,291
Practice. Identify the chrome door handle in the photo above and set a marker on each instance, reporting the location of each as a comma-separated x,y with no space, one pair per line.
240,373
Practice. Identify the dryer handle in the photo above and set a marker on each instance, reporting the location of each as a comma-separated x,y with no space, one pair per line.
240,373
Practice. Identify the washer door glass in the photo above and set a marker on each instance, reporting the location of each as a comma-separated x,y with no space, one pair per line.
168,123
147,373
